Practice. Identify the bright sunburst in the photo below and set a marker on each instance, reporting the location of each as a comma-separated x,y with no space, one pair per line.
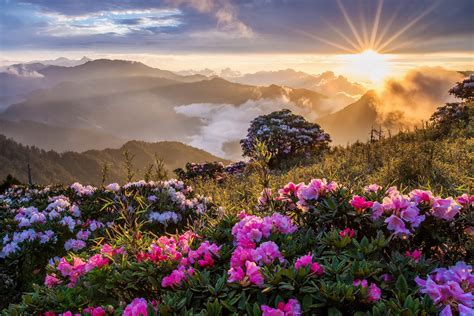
367,46
369,64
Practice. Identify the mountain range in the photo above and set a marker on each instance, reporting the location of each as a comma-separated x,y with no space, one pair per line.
124,100
97,104
50,167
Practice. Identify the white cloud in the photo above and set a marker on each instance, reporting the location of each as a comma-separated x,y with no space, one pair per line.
223,123
109,22
225,13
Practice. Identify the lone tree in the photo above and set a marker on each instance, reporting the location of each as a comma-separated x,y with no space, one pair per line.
286,135
457,115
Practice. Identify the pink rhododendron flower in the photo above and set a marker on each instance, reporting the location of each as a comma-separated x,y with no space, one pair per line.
421,196
283,224
451,288
466,200
109,251
177,277
96,261
445,208
266,253
374,293
51,280
290,190
397,225
138,307
360,203
415,255
307,260
292,308
377,210
347,232
95,311
372,188
363,283
253,273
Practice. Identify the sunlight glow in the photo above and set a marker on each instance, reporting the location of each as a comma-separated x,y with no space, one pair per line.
369,64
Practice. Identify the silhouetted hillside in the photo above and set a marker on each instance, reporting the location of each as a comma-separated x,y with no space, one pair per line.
52,167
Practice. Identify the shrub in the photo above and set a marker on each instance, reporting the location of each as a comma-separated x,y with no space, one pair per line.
286,135
316,248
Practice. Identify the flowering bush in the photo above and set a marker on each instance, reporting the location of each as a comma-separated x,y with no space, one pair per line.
285,135
210,170
39,224
315,248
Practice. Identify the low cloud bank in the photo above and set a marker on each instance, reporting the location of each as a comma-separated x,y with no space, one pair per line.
409,100
227,123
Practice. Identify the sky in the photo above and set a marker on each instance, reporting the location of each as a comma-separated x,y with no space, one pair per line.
245,35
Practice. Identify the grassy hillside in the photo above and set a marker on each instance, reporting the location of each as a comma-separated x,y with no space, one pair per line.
429,158
52,167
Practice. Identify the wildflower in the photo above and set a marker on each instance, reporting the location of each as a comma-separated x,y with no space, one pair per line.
374,293
95,311
74,244
372,188
114,187
347,232
267,252
359,203
466,200
415,255
51,280
291,308
450,288
307,260
397,225
138,307
445,209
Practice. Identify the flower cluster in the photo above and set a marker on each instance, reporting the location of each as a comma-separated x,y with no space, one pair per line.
291,308
373,292
60,218
404,210
302,195
249,255
307,260
451,288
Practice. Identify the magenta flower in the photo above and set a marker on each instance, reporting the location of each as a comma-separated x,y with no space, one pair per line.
374,293
466,200
267,253
95,311
451,288
415,255
396,224
360,203
347,232
307,260
138,307
445,209
51,280
421,196
292,308
372,188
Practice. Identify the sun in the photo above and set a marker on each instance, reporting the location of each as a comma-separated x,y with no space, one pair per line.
369,64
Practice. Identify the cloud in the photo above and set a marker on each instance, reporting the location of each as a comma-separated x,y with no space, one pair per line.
226,123
224,11
416,96
119,22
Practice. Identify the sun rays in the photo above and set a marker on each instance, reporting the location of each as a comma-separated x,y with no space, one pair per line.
383,36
